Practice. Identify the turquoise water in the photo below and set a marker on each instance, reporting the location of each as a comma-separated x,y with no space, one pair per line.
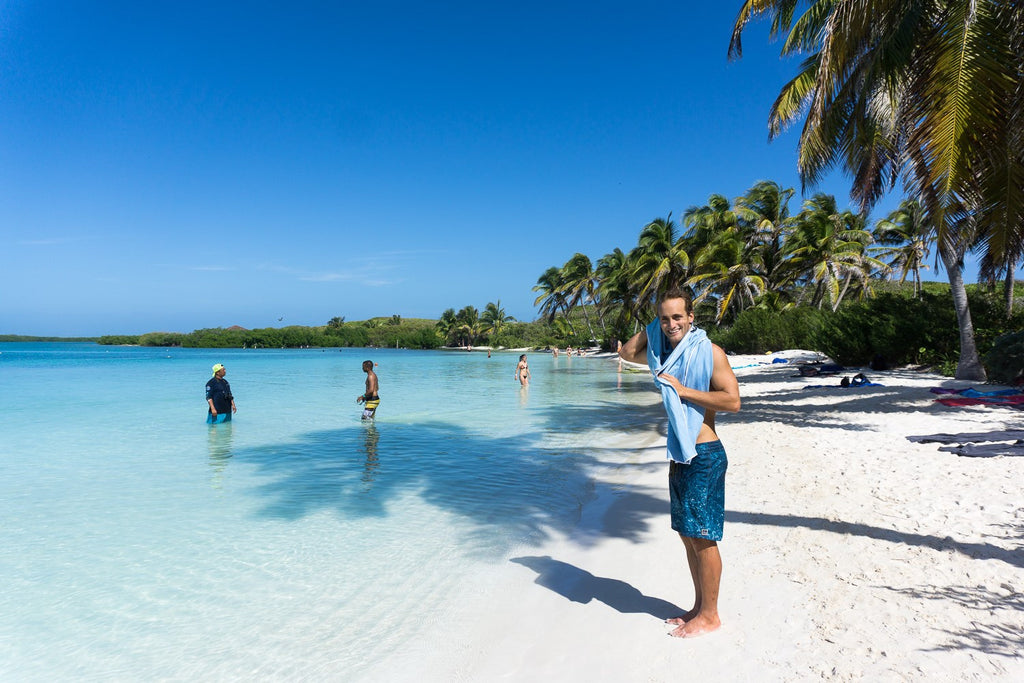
140,543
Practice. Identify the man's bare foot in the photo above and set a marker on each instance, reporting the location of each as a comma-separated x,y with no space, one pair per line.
697,626
679,621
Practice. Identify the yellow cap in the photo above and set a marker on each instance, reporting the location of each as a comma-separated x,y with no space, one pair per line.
217,368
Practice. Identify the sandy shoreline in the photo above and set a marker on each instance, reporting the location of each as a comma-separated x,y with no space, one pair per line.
850,553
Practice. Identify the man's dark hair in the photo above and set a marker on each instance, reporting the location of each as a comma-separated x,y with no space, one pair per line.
676,293
367,365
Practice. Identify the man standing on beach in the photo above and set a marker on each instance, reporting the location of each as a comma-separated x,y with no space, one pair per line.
696,382
370,399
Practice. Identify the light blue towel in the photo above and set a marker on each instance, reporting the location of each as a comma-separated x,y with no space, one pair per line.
691,362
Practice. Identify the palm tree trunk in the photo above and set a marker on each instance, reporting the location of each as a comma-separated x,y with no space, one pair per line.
803,294
1008,290
566,309
969,366
600,319
586,317
839,299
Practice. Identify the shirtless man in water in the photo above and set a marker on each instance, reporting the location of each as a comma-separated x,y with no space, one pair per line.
370,398
697,489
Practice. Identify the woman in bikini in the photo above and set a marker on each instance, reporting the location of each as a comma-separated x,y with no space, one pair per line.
523,371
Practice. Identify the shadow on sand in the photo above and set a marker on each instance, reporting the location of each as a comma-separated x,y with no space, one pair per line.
579,585
982,634
978,551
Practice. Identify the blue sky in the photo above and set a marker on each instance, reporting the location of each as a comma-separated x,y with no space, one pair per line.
172,166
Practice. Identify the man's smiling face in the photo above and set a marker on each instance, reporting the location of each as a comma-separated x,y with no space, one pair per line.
675,318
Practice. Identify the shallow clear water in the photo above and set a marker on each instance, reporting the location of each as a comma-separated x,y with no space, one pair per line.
139,543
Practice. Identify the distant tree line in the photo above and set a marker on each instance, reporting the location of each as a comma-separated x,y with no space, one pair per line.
26,338
391,332
493,327
467,327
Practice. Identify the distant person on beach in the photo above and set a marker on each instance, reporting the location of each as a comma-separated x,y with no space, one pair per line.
370,399
523,371
696,382
219,397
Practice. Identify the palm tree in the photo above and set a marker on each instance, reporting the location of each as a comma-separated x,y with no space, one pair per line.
494,318
468,325
828,247
724,271
660,259
926,90
552,297
705,223
906,236
765,207
617,288
578,282
447,324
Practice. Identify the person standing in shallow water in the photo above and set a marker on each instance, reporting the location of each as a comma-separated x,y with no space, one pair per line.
370,398
218,397
523,371
696,485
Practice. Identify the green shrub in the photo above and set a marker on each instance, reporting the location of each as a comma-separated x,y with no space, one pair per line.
1005,360
161,339
757,330
347,335
901,330
118,339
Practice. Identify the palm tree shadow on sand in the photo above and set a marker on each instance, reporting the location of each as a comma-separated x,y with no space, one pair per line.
579,585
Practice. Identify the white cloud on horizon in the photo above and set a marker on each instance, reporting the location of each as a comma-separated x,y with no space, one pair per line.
367,272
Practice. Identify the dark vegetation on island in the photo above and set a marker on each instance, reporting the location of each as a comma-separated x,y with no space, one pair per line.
31,338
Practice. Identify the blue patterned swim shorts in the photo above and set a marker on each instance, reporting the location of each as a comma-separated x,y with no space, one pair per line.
697,492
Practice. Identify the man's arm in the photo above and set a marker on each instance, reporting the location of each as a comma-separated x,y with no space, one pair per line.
723,394
635,350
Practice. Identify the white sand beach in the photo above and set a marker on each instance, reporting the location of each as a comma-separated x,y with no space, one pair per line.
850,553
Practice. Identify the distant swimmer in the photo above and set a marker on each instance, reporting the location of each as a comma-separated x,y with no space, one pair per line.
370,399
523,371
219,397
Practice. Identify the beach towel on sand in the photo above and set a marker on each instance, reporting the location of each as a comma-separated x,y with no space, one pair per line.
1013,400
691,363
971,392
987,450
970,437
